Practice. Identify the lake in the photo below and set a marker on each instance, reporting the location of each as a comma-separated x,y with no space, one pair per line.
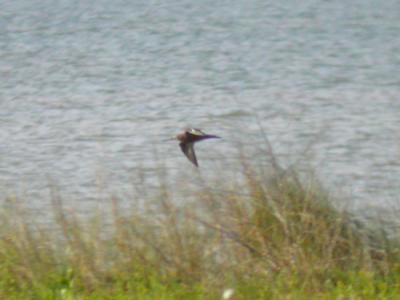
89,89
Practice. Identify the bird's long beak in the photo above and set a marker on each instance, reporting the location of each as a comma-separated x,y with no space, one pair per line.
210,136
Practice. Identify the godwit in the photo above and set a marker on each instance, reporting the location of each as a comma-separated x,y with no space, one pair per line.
187,140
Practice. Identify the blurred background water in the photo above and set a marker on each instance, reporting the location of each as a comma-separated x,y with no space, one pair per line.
88,89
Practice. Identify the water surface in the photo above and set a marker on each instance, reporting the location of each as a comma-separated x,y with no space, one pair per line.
88,89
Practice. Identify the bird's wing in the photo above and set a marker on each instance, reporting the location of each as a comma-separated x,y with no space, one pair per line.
195,131
195,135
188,150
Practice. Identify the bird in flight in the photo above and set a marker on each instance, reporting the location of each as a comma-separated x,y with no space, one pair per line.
187,140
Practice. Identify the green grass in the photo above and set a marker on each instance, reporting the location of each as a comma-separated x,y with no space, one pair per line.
274,236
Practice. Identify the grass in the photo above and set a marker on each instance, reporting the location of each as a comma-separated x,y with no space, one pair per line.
273,235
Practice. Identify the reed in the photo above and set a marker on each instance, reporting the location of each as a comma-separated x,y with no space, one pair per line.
274,235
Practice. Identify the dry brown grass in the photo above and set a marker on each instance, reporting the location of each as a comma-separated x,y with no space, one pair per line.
268,227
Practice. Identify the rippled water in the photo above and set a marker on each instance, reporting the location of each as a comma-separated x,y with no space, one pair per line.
88,88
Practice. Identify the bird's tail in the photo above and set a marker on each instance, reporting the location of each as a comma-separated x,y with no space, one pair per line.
169,139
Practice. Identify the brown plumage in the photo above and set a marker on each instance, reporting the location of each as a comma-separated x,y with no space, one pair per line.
187,140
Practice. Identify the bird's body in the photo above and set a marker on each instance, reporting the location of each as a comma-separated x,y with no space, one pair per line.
187,140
